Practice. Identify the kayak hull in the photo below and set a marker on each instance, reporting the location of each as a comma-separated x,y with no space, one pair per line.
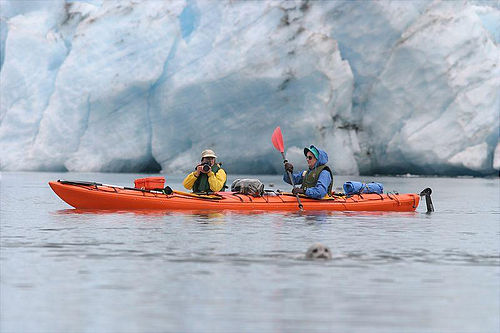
113,198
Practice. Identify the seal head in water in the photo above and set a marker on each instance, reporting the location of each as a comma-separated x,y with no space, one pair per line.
318,251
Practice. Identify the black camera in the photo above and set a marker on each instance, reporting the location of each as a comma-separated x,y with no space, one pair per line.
206,167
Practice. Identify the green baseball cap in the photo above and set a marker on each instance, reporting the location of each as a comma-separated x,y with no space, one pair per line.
313,150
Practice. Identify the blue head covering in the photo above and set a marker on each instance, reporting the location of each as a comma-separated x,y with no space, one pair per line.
320,155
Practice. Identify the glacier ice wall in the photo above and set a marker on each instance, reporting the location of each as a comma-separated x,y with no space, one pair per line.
383,87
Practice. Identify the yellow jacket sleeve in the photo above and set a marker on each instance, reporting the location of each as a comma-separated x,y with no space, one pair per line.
188,182
216,181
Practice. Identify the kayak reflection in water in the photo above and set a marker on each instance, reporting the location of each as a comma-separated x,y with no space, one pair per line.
317,181
208,176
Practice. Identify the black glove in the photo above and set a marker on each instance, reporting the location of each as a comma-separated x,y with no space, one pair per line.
288,167
298,190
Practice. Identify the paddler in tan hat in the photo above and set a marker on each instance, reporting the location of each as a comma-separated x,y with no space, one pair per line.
208,176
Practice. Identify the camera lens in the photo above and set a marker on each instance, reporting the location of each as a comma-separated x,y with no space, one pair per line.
206,168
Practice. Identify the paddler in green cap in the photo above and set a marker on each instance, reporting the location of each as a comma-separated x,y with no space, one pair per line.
317,181
208,176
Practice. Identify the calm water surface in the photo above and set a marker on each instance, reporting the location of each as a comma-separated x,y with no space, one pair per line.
68,271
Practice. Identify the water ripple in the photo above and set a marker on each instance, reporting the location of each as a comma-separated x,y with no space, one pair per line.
107,249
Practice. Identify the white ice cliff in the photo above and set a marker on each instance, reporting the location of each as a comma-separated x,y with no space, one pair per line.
383,87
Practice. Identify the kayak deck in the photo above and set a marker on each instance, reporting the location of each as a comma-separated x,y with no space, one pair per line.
107,197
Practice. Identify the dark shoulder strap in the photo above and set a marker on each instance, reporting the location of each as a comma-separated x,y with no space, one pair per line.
327,168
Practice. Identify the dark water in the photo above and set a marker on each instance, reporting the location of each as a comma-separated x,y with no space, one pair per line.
63,271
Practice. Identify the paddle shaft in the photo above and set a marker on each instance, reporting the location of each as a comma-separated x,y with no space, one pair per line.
277,139
77,182
291,180
132,188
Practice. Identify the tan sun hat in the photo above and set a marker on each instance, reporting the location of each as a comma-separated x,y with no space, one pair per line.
208,153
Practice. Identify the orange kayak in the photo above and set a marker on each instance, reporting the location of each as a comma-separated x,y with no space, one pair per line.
84,195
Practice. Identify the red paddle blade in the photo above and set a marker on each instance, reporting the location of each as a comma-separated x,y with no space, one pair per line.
277,139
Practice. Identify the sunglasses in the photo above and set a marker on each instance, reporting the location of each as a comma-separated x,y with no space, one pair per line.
309,157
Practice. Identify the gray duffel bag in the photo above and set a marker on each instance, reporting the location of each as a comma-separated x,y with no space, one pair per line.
248,186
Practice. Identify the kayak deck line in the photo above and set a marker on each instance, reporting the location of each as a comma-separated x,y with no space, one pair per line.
89,195
97,186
